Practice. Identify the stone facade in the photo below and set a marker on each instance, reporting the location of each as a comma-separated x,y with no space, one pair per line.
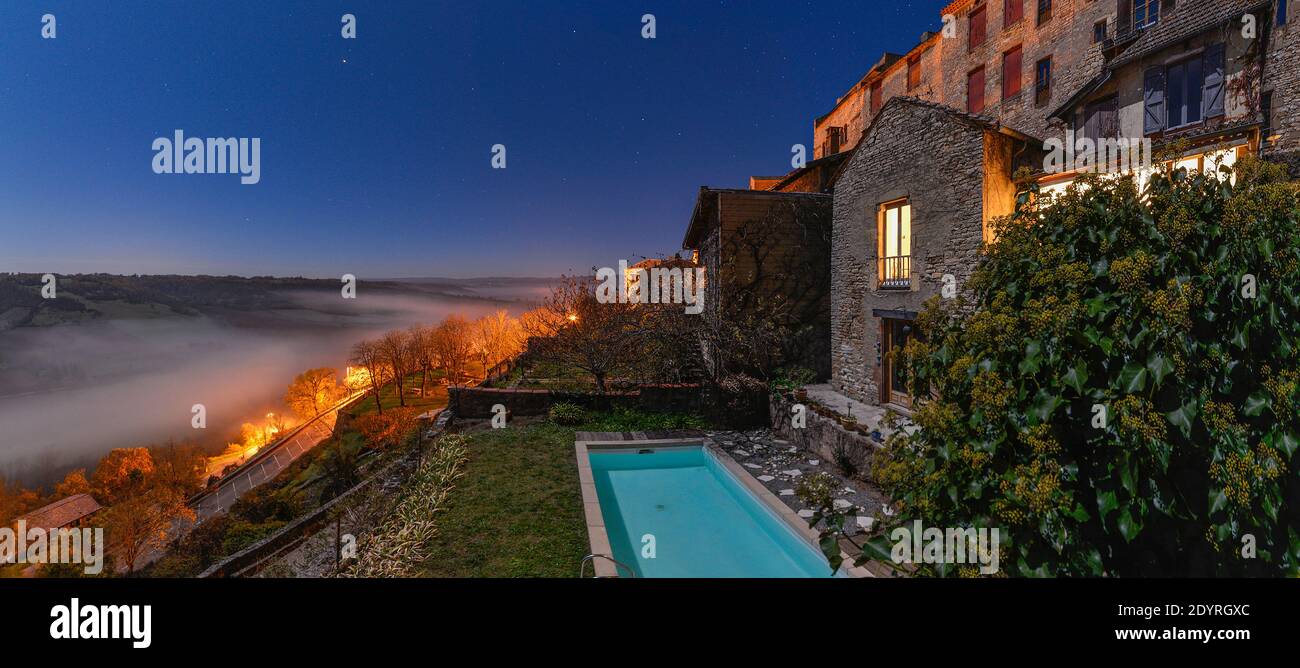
1066,38
937,159
1282,84
938,66
760,245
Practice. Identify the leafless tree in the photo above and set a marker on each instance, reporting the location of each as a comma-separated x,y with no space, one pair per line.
367,355
453,346
575,330
396,350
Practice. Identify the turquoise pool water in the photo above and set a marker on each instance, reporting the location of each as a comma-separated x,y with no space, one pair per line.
704,522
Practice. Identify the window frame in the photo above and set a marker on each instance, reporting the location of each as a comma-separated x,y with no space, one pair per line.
899,278
1105,31
1044,13
1150,17
1185,91
914,68
1043,84
876,97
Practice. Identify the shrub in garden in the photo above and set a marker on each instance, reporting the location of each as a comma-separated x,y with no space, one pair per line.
567,414
1119,395
791,379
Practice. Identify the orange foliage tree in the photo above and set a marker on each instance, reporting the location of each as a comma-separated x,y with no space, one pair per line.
122,472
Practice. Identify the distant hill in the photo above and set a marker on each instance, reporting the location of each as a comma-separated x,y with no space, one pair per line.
93,296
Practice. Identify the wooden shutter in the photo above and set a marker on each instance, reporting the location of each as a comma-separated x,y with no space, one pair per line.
1124,17
1153,100
1011,75
975,91
1212,93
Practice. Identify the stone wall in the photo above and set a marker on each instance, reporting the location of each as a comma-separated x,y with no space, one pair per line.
823,436
934,159
1282,78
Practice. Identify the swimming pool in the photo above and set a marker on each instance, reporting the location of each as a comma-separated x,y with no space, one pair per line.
673,509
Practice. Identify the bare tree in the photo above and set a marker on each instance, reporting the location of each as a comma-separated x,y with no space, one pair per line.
498,338
423,358
367,355
395,349
574,329
142,523
453,345
312,391
178,467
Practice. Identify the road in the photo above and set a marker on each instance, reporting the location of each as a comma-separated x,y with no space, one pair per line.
260,468
267,463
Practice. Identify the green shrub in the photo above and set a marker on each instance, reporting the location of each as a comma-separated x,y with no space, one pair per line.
241,534
567,414
791,379
1117,402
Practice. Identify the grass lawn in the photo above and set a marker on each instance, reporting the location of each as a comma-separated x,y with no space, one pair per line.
517,512
388,396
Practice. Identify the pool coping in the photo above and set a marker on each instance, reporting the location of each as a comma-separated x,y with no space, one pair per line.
598,537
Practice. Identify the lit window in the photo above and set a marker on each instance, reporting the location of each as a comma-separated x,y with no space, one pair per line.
895,244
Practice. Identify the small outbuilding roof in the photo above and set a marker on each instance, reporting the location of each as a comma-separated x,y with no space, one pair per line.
62,513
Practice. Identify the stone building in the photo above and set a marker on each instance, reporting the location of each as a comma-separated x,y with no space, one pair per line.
910,215
929,171
761,246
1189,81
976,100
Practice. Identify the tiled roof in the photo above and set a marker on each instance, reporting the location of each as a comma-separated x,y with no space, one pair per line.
62,513
1188,18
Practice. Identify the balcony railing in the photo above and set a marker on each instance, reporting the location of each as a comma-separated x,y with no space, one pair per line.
896,272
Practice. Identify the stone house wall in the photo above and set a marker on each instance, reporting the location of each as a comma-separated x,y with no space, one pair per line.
1282,79
1067,38
935,159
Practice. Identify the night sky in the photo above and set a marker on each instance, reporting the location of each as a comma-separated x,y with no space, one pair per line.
375,152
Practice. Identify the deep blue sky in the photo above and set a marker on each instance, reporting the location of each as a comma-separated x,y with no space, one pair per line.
376,151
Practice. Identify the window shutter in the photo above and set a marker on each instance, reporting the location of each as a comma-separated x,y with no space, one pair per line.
1212,95
1124,15
1153,99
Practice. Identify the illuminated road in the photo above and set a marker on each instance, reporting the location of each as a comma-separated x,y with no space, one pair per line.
266,464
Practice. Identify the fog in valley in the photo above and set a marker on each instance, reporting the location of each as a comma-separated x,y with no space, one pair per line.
71,392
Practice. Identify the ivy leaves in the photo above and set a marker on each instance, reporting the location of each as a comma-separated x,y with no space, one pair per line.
1140,382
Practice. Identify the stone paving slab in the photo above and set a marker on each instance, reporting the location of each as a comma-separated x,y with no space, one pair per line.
779,465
